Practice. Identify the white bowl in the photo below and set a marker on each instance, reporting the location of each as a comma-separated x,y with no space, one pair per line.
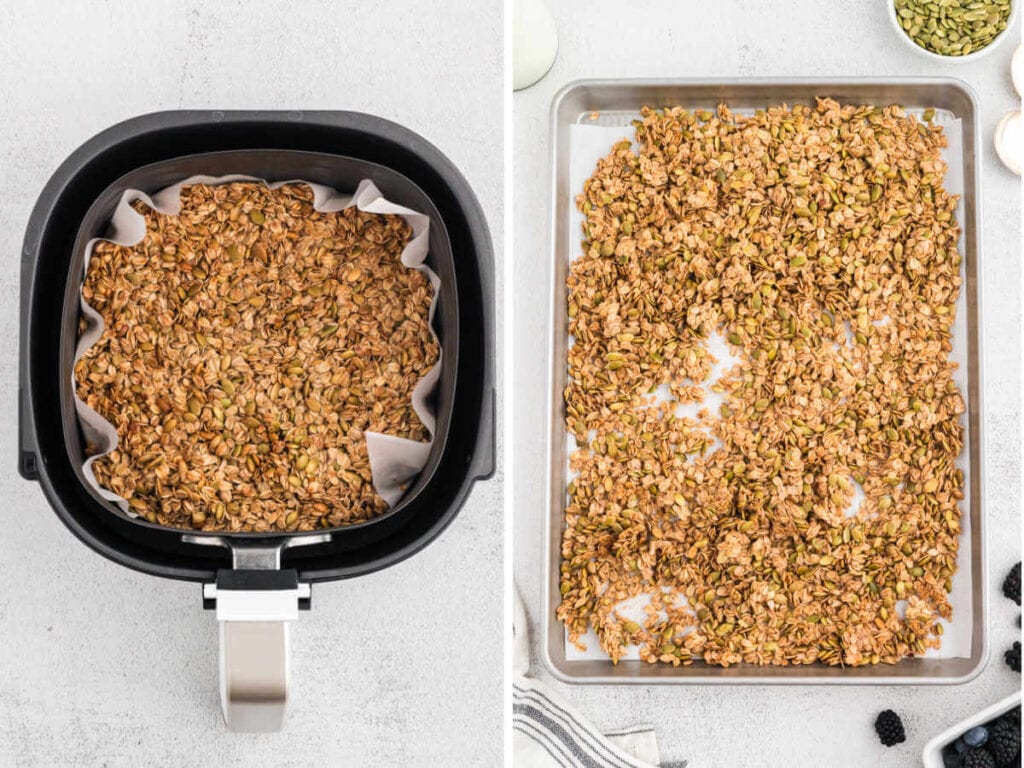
973,55
932,755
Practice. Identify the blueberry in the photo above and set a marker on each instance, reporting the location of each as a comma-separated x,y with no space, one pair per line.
960,746
976,737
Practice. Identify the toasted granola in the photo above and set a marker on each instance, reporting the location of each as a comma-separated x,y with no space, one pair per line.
249,343
820,242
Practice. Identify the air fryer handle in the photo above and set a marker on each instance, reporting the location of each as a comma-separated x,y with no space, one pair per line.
254,608
253,674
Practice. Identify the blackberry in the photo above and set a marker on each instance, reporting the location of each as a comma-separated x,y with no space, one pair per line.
1012,657
1011,584
1004,742
1013,716
889,728
952,759
978,758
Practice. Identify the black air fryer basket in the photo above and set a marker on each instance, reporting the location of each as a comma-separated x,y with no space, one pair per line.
256,582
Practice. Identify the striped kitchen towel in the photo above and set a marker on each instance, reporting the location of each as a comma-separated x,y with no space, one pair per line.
547,732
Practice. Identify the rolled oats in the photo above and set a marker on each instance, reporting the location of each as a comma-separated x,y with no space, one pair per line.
249,344
820,242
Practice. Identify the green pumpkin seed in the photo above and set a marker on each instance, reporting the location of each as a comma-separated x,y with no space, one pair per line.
952,27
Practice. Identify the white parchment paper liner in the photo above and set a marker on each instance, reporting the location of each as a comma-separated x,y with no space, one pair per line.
590,141
394,461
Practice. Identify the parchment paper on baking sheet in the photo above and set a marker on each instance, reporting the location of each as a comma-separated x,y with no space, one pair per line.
394,461
589,141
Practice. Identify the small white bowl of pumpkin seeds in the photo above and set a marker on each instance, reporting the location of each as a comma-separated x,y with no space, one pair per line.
952,30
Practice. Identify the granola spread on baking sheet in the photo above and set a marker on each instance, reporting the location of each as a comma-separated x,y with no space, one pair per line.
820,243
249,343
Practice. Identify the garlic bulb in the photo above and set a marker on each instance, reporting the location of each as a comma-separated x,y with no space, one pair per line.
1009,141
1017,70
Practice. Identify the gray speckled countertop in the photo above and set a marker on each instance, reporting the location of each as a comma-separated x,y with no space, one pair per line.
102,666
722,727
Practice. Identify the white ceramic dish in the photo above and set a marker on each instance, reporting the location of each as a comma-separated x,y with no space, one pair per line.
973,56
932,756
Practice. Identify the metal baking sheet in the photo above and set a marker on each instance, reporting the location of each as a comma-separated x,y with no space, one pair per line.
618,101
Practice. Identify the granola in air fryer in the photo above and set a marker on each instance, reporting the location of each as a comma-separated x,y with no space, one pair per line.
820,242
249,343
